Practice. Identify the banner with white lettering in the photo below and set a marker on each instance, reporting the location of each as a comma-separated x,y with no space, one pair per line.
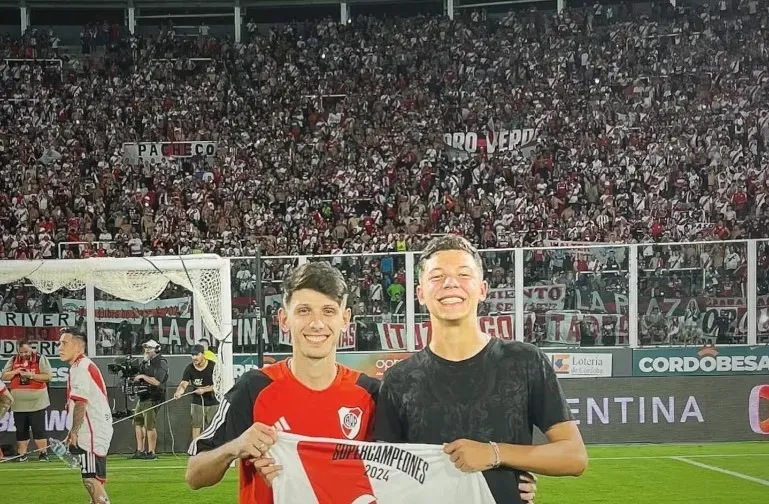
698,319
156,151
569,327
31,326
133,312
180,332
649,409
491,142
392,336
557,326
536,298
47,348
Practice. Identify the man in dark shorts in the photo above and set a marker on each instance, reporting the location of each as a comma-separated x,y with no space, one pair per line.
29,374
200,374
481,396
154,374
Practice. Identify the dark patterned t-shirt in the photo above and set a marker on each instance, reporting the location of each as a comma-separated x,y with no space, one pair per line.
499,395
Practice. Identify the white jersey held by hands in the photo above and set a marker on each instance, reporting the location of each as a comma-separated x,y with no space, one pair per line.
334,471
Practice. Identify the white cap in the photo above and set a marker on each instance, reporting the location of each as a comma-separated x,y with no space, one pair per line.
151,343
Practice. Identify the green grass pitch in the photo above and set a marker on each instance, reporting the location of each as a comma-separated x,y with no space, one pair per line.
716,473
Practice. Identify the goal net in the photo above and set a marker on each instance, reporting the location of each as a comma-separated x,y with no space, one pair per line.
143,279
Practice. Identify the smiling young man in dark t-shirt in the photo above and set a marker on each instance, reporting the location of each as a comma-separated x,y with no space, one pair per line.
480,395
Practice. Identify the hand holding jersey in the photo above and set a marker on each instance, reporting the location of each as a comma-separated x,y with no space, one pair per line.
254,443
466,387
341,401
472,456
331,470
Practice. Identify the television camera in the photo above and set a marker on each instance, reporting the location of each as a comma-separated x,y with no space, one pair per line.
126,370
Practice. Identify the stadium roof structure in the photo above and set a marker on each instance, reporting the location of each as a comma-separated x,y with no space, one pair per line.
185,4
217,8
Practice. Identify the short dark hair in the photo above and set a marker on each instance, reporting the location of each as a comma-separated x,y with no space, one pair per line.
318,276
448,242
22,342
76,333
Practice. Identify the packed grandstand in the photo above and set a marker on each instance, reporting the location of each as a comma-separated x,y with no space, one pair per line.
599,124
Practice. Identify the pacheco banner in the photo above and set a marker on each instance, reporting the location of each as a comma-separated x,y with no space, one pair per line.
706,361
156,151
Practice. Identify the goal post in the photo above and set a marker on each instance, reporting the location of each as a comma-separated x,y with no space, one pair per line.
143,279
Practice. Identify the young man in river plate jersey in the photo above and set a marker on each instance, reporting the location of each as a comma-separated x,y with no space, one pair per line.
308,394
88,407
481,396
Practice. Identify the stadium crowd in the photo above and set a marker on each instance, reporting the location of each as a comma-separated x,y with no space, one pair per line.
331,138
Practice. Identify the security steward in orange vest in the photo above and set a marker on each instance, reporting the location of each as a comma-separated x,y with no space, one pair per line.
29,374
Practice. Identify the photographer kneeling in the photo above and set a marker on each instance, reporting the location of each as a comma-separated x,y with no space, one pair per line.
154,373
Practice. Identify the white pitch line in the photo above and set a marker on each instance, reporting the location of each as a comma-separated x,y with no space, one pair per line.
661,457
723,471
11,467
111,469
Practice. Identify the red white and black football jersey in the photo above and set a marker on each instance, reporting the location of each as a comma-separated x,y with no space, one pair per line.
274,396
